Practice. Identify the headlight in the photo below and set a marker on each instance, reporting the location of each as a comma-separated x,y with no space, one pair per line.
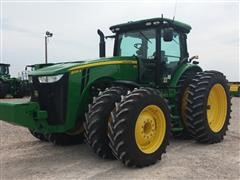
49,79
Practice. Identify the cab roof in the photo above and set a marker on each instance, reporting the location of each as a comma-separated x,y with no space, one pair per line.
154,22
2,64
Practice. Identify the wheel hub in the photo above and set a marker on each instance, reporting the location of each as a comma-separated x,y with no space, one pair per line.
150,129
217,108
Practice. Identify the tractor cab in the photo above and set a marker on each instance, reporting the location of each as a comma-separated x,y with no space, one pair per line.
4,69
159,45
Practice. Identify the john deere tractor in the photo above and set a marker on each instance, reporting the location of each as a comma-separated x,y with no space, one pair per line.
10,85
127,105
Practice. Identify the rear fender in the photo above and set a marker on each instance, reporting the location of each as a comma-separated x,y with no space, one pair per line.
182,70
171,90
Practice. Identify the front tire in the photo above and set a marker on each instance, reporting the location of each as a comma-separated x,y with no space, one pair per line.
64,139
97,119
209,107
139,129
38,135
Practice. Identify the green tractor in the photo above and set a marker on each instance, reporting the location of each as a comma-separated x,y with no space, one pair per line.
11,86
126,106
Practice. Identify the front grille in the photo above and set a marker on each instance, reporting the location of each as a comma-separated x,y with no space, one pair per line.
52,97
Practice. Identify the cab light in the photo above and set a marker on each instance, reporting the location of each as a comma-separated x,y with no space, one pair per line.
156,22
148,24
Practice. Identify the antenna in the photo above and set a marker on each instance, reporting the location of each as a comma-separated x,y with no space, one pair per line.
175,9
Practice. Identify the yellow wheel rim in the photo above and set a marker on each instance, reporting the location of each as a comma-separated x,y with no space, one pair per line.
150,129
217,108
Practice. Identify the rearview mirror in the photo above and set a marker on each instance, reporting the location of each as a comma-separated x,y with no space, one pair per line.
168,34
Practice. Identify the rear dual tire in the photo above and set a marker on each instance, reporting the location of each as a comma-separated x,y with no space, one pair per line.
208,107
182,96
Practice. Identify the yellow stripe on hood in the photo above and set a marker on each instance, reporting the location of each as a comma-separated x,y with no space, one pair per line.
102,64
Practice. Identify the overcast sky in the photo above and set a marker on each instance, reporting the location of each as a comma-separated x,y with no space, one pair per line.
214,36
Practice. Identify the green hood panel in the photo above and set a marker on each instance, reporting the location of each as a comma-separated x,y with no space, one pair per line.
64,67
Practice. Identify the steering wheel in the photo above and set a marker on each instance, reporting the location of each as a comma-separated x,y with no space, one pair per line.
137,45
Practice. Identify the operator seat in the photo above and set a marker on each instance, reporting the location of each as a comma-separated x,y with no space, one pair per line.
148,68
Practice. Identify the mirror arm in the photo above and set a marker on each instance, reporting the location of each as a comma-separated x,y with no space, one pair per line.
184,60
192,58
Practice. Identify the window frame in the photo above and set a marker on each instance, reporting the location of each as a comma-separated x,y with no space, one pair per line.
116,43
159,62
180,44
182,41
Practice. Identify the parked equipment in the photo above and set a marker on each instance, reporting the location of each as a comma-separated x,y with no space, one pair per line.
128,104
235,89
13,86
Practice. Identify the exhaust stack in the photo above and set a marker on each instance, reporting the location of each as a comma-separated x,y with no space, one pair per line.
102,50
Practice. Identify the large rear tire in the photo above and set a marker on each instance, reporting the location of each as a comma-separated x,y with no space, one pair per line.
209,107
139,128
181,103
97,119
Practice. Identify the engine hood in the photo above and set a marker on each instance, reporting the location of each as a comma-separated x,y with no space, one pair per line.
61,68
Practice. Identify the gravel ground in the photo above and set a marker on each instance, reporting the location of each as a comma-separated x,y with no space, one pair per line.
24,157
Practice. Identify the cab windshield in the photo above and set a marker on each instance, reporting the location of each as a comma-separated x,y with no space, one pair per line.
137,43
3,70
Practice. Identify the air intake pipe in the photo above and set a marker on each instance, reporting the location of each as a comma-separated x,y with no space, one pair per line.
102,50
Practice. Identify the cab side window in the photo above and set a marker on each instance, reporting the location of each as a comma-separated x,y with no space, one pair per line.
171,52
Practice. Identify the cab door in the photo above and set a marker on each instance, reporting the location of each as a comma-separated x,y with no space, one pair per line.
170,55
142,44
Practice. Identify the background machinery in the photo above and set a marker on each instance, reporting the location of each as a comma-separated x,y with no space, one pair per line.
127,105
11,86
235,89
